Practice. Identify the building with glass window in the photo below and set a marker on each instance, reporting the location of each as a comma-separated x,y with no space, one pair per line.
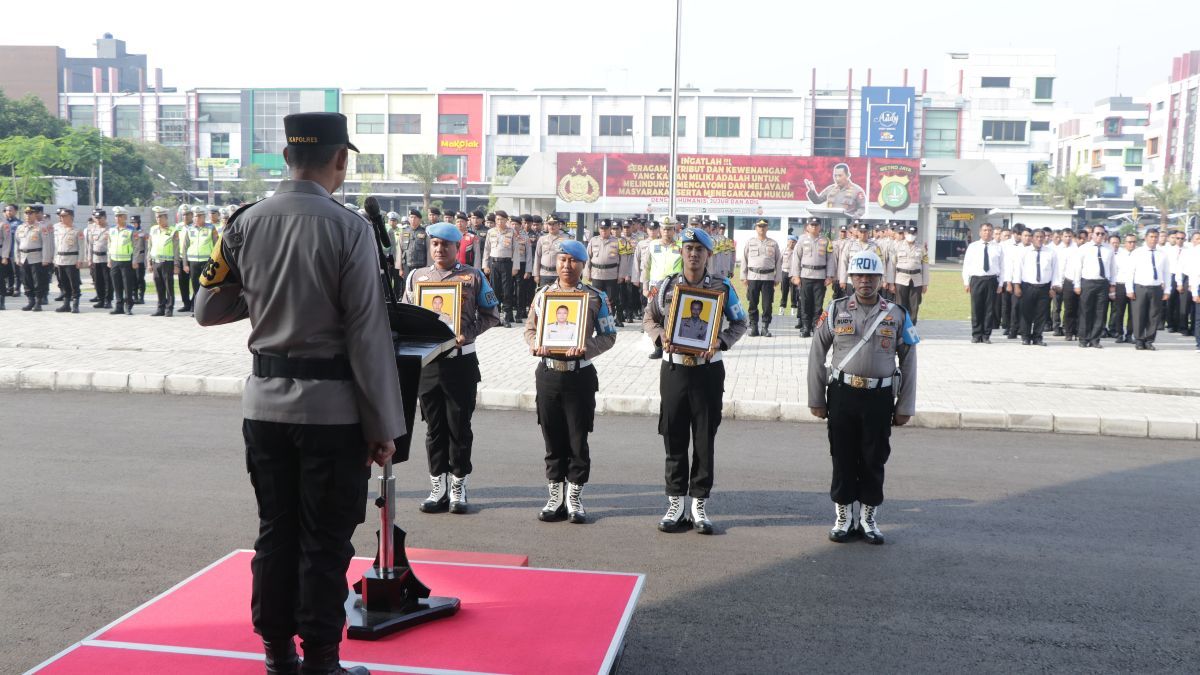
1111,143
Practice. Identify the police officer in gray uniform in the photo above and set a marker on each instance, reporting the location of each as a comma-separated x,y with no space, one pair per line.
812,268
908,272
324,398
860,397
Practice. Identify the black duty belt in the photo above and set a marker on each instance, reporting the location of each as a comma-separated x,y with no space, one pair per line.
99,252
604,267
269,365
761,270
29,250
814,267
908,271
68,253
496,260
549,269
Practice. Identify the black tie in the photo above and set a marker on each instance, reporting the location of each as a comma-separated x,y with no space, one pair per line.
1152,265
987,266
1039,265
1100,260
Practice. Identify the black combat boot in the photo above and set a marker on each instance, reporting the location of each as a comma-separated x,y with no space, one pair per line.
120,308
281,657
323,660
75,306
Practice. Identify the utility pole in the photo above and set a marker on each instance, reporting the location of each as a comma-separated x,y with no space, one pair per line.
673,169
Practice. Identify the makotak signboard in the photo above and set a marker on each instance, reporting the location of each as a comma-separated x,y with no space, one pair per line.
745,185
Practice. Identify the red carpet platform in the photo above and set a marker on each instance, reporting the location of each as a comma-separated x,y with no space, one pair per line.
202,625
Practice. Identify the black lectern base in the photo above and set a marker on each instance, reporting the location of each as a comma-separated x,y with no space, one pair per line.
364,625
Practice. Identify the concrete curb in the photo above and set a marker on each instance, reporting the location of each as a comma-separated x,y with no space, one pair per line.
1124,426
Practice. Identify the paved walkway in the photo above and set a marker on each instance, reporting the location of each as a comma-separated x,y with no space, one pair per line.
1114,391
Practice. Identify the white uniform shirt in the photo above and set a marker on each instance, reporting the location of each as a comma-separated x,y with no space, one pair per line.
1087,265
1189,266
1068,261
1012,260
1120,264
973,260
1147,268
1040,266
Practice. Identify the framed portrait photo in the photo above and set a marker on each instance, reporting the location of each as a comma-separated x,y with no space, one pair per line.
694,320
562,321
443,298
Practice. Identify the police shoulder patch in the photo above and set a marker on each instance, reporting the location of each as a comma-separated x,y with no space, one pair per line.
216,270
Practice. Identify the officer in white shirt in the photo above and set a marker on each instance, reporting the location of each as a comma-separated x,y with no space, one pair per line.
1172,313
1063,241
1022,241
1096,285
1069,264
1145,281
1120,315
1038,279
983,263
1187,279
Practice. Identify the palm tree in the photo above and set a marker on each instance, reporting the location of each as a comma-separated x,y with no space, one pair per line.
1068,190
425,169
1172,194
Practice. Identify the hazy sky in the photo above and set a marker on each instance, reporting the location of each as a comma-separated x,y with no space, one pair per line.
622,45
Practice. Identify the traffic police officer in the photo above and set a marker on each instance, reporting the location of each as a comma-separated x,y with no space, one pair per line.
501,247
860,397
164,246
812,269
690,387
448,385
324,399
545,255
67,242
606,265
762,268
566,387
908,272
122,260
197,240
182,216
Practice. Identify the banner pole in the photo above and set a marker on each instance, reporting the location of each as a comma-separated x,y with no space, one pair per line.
673,169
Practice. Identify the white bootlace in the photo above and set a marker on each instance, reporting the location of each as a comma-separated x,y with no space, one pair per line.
843,518
439,488
556,497
698,513
674,509
574,503
458,489
868,519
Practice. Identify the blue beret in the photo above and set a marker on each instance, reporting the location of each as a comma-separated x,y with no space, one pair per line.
444,231
572,248
698,236
792,237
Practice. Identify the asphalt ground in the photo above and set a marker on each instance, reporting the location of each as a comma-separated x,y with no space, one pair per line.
1007,552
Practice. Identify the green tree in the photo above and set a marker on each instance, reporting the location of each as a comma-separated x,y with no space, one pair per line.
425,170
251,187
82,149
126,180
506,168
28,117
168,162
365,188
1171,195
28,162
1066,191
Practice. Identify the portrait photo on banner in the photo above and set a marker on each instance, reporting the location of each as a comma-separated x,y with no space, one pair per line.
695,319
443,298
562,321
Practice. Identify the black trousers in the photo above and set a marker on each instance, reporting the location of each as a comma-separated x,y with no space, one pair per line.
764,290
860,429
447,396
140,281
185,287
610,288
1147,312
525,290
1120,314
812,302
37,280
164,284
504,284
910,295
983,304
124,281
1003,310
68,277
195,270
566,409
310,482
1093,306
102,280
789,292
10,274
689,415
1016,325
1186,322
1173,314
1035,300
630,306
1056,308
1070,308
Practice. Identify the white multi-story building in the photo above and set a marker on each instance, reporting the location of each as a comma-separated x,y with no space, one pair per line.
1111,144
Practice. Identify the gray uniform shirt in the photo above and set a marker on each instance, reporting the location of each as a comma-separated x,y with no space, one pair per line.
545,256
66,244
842,326
908,262
501,244
306,273
811,259
762,260
605,262
35,244
733,322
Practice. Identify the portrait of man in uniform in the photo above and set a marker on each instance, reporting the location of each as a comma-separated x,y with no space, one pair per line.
693,327
842,194
562,329
694,320
443,299
560,321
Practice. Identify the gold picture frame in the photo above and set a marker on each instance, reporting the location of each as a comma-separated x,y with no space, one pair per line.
433,295
697,329
564,332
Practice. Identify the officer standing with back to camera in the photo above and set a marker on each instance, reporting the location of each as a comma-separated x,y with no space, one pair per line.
324,399
449,384
860,397
691,387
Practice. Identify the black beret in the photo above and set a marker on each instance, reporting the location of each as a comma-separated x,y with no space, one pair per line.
536,218
460,216
501,213
478,213
414,212
99,212
317,128
491,218
435,211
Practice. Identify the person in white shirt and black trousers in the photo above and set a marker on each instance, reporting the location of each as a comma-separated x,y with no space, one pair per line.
1095,286
1038,279
1145,275
983,265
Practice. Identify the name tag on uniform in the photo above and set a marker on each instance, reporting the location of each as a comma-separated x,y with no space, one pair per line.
843,325
887,332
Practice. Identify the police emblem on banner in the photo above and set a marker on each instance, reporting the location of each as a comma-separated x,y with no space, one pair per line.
578,185
894,182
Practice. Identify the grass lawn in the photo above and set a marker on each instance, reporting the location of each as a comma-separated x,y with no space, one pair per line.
945,300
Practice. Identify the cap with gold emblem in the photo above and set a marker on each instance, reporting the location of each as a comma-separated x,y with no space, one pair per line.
553,218
119,211
159,211
317,128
